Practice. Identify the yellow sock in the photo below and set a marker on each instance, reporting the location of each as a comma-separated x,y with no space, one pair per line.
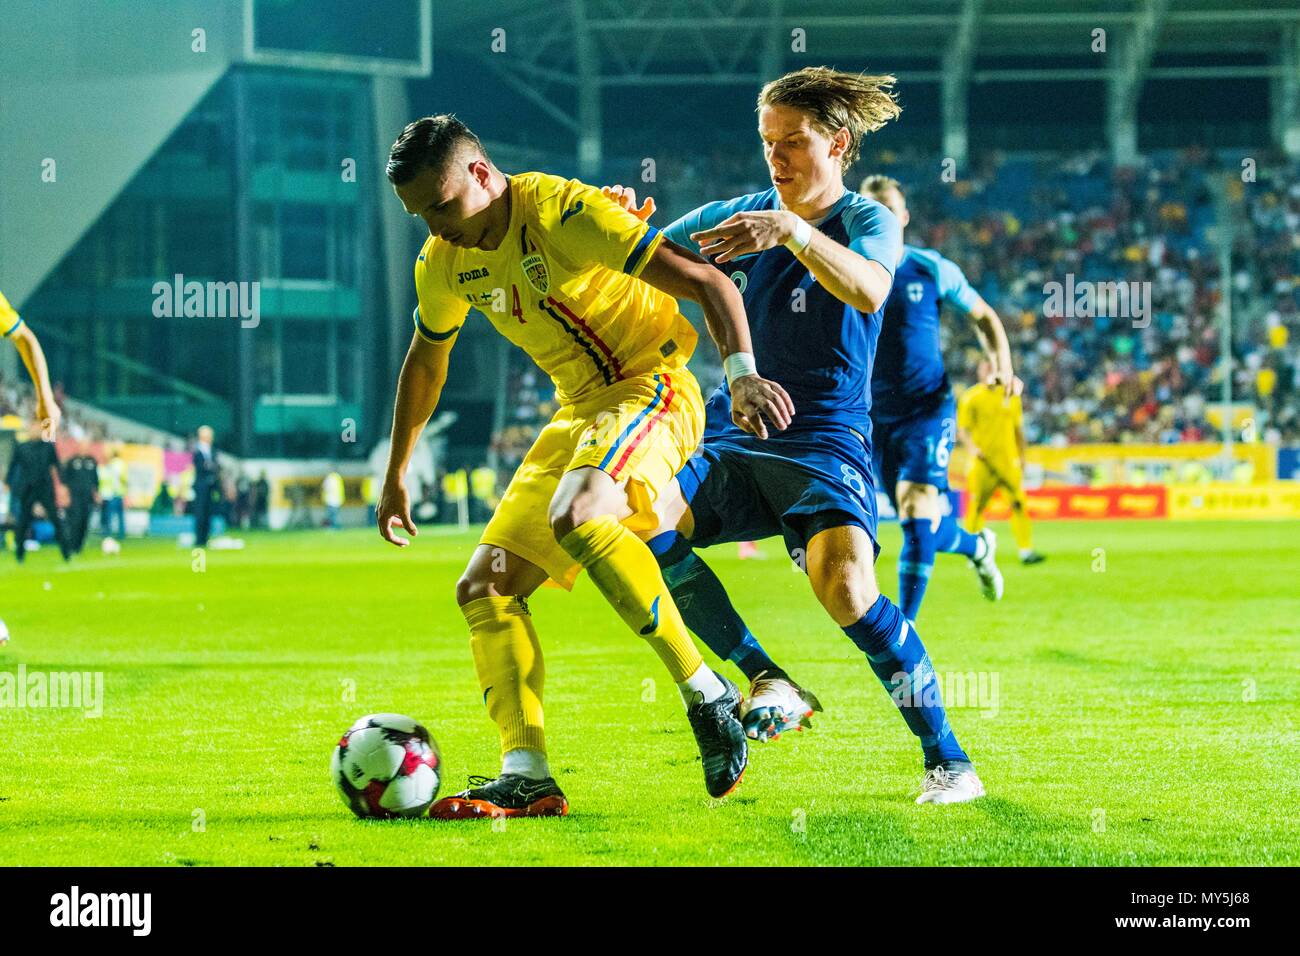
1020,525
508,658
974,521
625,571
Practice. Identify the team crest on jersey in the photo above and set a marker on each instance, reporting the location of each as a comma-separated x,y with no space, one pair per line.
536,273
915,291
740,279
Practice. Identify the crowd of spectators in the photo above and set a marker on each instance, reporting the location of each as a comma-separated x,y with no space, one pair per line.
1017,223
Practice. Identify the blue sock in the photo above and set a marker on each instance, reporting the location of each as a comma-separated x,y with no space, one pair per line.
705,606
898,658
952,538
915,562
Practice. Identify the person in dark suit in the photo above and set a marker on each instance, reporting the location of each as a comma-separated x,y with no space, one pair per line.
81,475
261,500
206,483
34,473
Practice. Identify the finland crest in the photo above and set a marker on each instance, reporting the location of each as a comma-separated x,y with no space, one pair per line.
536,273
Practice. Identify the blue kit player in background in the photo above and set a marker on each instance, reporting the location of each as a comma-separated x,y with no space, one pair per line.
913,415
814,263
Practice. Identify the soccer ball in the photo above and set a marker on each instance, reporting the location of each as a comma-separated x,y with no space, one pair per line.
110,546
387,765
4,634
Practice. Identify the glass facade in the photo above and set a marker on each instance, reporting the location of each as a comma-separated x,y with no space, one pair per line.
270,180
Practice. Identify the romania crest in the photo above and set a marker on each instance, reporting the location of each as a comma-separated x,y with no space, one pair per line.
536,274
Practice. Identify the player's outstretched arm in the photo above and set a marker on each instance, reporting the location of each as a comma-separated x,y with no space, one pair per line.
419,386
997,348
849,276
29,347
684,275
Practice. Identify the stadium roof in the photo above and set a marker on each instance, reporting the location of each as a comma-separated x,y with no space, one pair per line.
700,41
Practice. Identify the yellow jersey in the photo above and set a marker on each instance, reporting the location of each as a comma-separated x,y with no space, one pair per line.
990,418
9,320
562,286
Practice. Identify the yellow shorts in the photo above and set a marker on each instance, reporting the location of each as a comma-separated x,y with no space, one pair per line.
982,482
640,432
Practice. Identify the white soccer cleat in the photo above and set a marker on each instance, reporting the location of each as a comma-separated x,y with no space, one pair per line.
951,783
987,567
775,705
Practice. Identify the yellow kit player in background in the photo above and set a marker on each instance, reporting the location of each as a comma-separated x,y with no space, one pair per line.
990,425
587,290
15,330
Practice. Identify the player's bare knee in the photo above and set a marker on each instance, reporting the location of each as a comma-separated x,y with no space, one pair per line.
918,501
846,598
577,511
472,586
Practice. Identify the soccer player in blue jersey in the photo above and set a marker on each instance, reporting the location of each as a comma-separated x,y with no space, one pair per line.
814,262
913,414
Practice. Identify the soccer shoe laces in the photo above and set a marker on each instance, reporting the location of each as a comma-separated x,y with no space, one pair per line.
476,782
762,685
937,778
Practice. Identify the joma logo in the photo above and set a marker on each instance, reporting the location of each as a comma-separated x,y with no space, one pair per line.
471,275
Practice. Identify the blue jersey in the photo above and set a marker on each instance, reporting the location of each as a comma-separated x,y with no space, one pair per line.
909,375
817,347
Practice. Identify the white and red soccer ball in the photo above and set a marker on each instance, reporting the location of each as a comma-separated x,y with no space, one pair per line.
387,765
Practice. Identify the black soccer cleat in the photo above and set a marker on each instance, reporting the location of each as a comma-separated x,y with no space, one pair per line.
1033,557
509,795
724,751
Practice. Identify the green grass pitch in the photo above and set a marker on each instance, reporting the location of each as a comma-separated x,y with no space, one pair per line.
1146,710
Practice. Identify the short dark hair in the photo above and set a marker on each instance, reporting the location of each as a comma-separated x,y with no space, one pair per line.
428,143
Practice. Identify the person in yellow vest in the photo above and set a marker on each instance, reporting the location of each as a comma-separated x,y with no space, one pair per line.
483,488
370,494
15,330
990,426
455,489
112,496
332,496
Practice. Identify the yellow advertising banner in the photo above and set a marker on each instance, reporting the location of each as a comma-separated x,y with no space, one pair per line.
1273,499
1264,457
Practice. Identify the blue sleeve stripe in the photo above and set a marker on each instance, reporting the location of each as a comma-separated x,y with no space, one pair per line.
18,320
634,258
428,333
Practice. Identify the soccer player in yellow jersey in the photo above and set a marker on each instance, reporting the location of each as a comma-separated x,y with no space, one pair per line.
587,290
990,425
15,330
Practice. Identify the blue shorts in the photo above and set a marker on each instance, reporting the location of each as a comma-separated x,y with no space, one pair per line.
742,488
915,449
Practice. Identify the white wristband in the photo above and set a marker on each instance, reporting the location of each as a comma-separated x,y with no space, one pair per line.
802,236
737,365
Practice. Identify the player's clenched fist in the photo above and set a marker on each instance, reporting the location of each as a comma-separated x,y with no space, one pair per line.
625,196
394,509
753,399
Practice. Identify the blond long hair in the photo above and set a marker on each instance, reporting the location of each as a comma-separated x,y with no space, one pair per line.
859,102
